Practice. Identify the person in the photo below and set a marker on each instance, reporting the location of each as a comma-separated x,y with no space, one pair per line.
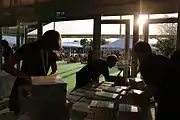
6,50
154,71
37,58
89,56
92,71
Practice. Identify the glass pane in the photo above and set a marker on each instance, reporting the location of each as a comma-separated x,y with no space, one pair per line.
164,39
155,16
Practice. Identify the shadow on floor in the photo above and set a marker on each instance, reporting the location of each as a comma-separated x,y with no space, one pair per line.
69,75
70,70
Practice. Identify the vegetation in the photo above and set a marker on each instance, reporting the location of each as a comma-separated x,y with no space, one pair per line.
167,45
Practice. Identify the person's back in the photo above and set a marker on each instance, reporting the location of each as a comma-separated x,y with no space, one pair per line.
92,71
32,59
95,69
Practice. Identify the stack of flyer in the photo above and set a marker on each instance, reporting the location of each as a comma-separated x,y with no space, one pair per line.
52,79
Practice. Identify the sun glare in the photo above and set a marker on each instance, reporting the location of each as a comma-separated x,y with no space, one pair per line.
141,21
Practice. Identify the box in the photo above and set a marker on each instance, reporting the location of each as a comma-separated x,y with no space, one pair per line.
101,110
52,79
47,102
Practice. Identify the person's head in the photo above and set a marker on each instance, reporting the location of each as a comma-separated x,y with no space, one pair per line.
142,49
175,57
51,40
112,60
4,43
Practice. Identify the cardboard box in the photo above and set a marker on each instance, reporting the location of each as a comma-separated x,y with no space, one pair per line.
47,102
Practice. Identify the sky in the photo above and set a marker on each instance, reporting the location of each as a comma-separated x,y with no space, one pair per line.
86,26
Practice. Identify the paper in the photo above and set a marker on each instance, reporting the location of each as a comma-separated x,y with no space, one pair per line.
53,79
112,89
122,87
106,94
101,104
137,91
128,108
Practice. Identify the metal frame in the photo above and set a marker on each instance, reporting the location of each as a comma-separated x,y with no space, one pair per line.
155,21
127,41
0,48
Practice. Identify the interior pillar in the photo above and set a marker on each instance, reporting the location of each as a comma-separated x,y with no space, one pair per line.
25,34
96,53
145,32
0,48
126,50
178,32
18,40
135,40
39,30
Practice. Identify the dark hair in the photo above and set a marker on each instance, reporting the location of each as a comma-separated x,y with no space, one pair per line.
142,47
51,38
175,55
112,58
4,43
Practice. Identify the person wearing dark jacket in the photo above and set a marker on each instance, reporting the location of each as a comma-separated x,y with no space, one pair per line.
92,71
154,70
37,58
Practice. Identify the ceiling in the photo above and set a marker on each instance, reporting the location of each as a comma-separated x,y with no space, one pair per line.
61,10
75,9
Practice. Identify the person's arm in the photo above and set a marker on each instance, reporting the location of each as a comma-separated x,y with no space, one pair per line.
54,68
106,73
54,58
12,61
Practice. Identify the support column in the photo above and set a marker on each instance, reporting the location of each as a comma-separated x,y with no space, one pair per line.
178,32
0,48
97,38
126,51
146,32
54,25
39,30
22,39
18,40
25,34
135,40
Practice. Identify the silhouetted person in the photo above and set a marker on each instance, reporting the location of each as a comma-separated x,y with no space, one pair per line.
6,50
37,58
154,70
89,56
91,72
174,83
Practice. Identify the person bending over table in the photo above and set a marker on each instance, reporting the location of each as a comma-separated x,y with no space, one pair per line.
92,71
154,71
37,58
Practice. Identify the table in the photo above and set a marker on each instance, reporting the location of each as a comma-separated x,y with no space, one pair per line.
102,101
